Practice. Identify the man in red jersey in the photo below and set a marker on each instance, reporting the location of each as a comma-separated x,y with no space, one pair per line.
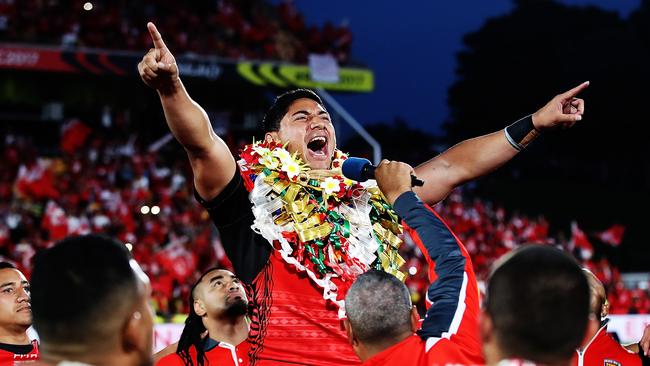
382,324
216,329
15,317
600,348
296,319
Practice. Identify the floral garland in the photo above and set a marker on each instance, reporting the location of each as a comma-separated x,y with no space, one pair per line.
324,223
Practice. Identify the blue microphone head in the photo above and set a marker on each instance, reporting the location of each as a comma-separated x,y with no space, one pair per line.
354,168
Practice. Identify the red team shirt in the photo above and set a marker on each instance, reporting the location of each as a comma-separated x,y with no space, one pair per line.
216,354
603,350
11,354
294,324
449,333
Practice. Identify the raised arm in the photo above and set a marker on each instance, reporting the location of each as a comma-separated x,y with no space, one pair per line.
478,156
212,163
453,292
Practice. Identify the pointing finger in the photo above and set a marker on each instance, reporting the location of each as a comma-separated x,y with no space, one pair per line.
158,42
573,92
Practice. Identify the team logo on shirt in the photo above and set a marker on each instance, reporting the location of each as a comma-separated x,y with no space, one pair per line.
611,363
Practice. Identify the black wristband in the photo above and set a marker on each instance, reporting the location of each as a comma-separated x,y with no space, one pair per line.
521,133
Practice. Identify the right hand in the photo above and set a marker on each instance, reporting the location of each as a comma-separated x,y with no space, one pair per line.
158,67
393,179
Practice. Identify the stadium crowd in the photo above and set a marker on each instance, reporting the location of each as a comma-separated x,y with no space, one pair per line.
252,29
103,183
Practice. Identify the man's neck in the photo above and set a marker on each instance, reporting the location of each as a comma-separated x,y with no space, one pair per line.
371,350
14,335
229,330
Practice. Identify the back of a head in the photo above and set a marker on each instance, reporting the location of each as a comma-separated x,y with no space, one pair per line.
378,307
538,300
81,288
281,105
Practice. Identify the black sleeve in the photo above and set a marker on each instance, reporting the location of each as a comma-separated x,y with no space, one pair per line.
232,215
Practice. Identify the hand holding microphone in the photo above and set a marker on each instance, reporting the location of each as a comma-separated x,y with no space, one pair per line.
361,170
393,177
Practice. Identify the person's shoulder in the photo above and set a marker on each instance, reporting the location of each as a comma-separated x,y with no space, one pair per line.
171,359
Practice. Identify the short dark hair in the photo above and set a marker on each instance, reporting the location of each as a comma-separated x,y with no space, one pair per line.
538,299
7,265
378,307
274,115
99,283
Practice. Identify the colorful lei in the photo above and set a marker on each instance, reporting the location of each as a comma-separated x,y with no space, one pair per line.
323,223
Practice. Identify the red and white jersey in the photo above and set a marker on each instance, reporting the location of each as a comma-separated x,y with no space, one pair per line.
603,350
216,353
449,334
12,354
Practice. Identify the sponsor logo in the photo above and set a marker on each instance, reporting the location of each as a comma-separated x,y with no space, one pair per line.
18,58
608,362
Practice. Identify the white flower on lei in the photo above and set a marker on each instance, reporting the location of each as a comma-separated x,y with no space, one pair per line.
269,161
261,151
291,168
282,154
330,185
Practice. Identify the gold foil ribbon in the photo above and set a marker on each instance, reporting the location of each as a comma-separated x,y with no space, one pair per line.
317,232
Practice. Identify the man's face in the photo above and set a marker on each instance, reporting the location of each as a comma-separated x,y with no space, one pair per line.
308,129
15,308
222,295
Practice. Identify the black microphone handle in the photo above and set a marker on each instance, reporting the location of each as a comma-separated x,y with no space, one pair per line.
369,173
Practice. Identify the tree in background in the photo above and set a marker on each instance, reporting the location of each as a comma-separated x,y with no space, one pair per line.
599,171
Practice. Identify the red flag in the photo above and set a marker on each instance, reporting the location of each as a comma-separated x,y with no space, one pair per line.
580,241
612,236
73,136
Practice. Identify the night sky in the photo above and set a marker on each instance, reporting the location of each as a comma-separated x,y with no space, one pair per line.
411,45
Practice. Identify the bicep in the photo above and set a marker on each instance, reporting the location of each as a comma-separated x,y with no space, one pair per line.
212,169
438,176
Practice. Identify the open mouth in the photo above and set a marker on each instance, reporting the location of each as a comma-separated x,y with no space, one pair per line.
318,146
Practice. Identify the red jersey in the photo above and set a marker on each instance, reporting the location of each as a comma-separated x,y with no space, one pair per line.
603,350
12,354
449,333
216,353
293,322
301,327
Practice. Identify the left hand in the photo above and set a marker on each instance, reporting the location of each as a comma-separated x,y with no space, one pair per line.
564,110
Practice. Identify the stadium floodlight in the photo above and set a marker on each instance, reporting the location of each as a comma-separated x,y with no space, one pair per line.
155,210
144,209
88,6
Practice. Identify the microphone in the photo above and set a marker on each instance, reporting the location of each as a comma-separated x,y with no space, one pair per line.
361,170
